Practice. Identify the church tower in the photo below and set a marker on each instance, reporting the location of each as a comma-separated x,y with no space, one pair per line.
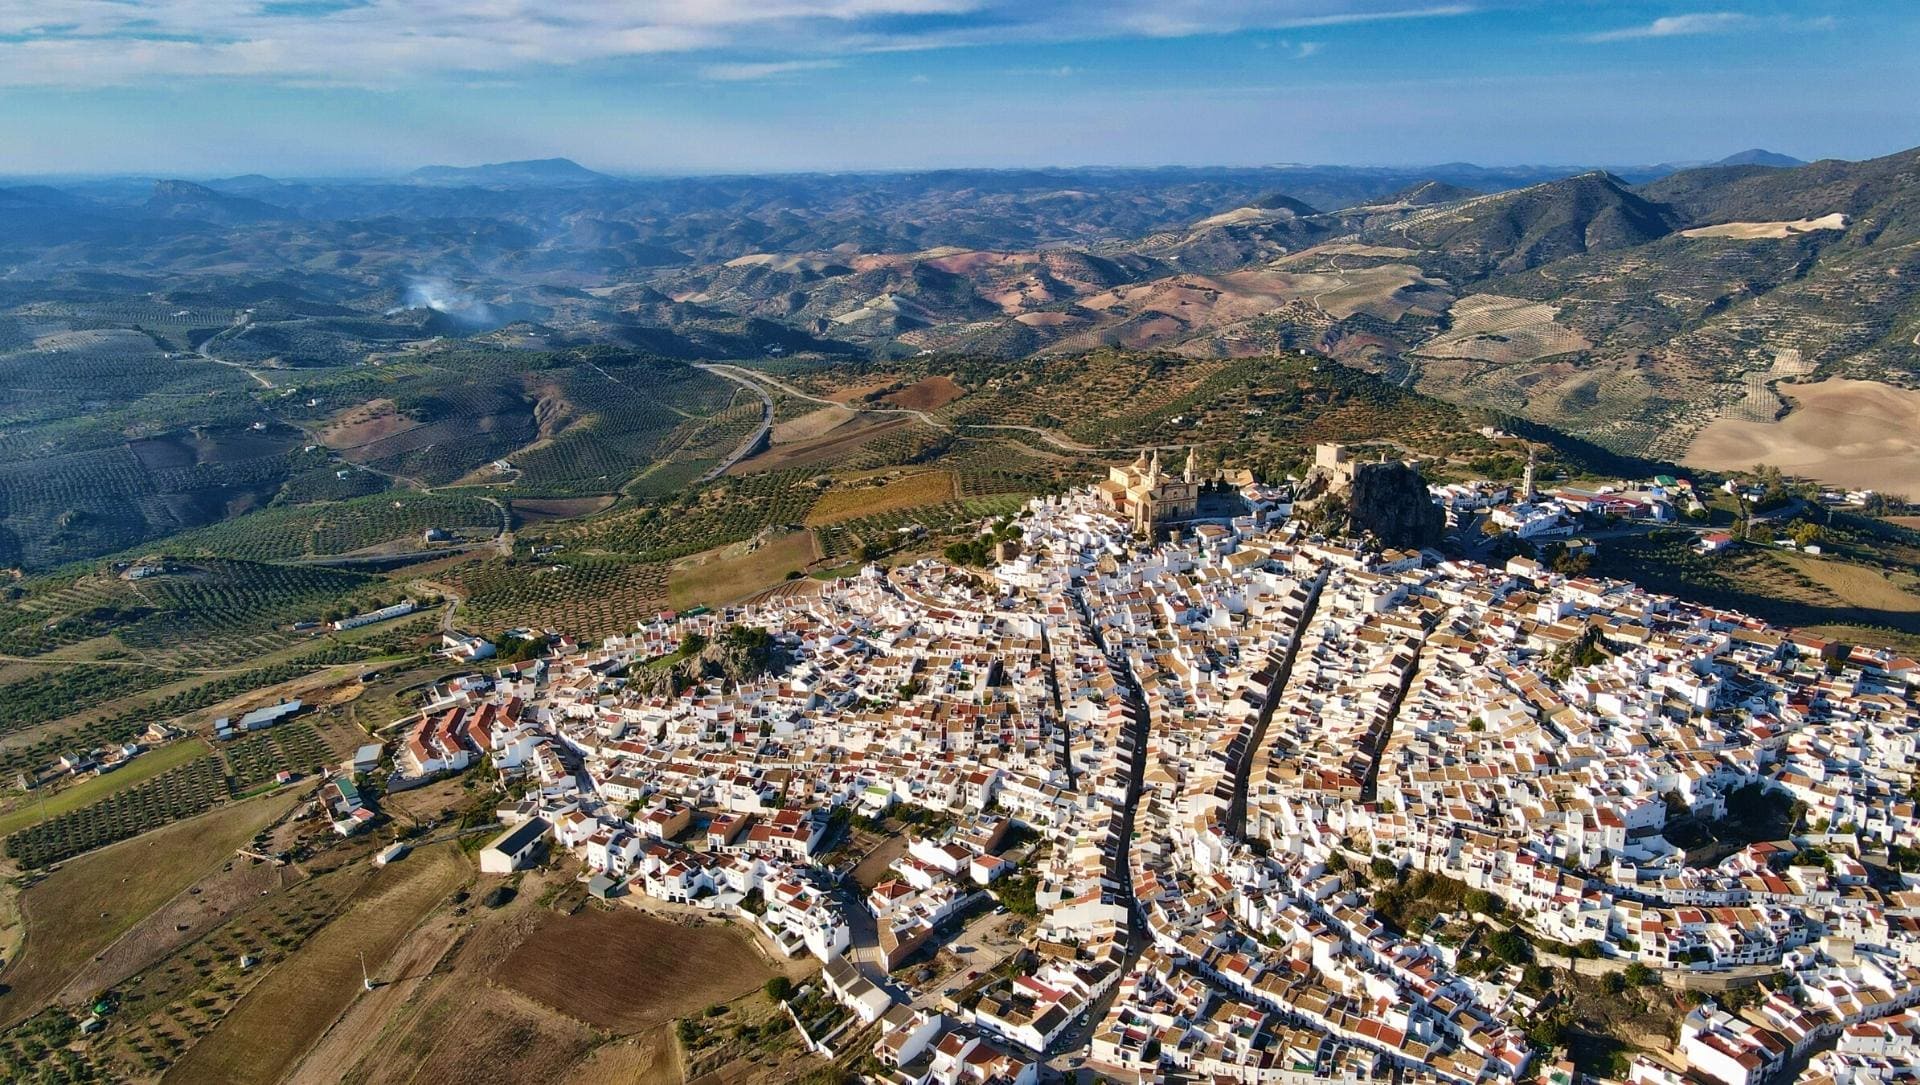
1193,464
1526,482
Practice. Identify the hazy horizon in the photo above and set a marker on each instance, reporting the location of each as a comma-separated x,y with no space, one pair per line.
356,88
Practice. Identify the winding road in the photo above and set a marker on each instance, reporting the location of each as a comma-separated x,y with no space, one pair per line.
764,433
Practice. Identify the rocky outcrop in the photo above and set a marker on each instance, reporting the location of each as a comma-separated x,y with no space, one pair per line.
1390,502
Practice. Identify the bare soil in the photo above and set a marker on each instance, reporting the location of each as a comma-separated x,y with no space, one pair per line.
1843,432
625,971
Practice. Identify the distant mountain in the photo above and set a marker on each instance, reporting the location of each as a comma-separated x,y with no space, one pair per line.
1524,228
1280,201
1755,156
532,173
186,200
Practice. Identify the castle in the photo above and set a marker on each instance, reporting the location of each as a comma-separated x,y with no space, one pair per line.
1149,499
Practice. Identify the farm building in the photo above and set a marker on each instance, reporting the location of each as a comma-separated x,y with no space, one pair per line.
257,720
514,849
397,610
365,759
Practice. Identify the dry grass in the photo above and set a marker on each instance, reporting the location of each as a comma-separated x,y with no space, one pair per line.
649,1059
833,445
812,424
626,971
731,573
79,909
909,492
535,510
280,1018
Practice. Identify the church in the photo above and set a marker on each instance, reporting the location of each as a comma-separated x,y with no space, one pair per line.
1150,500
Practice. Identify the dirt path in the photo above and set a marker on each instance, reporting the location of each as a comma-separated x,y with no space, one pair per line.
276,1025
398,981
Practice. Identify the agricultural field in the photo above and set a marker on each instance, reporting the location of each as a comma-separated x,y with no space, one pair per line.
254,760
911,527
74,912
738,570
1856,434
58,691
191,789
1839,599
1498,329
272,1025
201,613
583,595
285,532
600,423
883,493
190,699
728,510
28,808
645,971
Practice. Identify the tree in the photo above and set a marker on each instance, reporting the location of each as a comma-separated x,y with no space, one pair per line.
1639,975
779,988
1613,983
1509,946
1545,1033
692,644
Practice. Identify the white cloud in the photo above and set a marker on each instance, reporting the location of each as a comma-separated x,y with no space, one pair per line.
753,72
1675,26
82,43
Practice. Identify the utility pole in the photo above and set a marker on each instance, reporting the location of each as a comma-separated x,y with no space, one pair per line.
366,981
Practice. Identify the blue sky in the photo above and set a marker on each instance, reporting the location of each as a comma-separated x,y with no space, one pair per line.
210,87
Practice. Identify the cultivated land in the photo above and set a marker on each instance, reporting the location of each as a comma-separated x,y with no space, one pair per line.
81,908
643,971
29,809
267,1031
1849,433
738,570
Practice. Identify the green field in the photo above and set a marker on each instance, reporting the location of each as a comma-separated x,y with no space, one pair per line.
37,807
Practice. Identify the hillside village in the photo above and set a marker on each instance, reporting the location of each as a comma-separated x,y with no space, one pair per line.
1208,770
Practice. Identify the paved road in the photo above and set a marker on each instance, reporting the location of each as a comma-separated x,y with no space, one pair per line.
765,431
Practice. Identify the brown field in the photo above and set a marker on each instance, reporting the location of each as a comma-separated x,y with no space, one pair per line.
926,395
282,1016
909,492
649,1059
1843,432
813,424
82,907
730,573
461,1031
832,446
30,809
625,971
363,424
848,393
534,510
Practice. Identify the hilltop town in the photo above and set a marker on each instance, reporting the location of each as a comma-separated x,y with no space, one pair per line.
1175,787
